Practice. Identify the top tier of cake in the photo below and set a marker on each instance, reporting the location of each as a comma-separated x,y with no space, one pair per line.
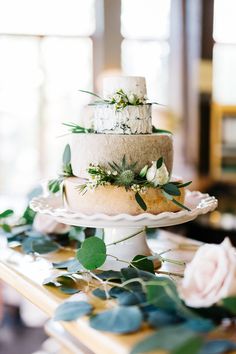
134,117
129,84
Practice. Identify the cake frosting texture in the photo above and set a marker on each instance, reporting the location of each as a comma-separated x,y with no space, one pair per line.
102,149
129,84
130,120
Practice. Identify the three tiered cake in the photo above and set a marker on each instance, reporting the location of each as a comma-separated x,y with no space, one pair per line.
122,165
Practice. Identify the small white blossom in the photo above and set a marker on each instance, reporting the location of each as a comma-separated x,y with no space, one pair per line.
115,173
157,176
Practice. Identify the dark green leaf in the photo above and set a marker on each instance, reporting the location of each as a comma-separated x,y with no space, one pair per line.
43,246
109,274
171,189
218,346
128,298
54,185
63,264
163,294
130,273
230,304
92,253
28,216
6,213
140,201
66,155
72,310
174,339
160,318
160,131
181,185
118,320
143,263
180,205
6,228
200,325
100,294
159,162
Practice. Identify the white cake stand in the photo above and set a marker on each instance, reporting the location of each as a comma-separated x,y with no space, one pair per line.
118,229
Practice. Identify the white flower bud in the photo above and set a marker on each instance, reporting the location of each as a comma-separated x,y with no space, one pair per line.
157,176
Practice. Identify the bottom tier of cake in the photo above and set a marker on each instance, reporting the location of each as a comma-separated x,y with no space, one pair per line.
113,200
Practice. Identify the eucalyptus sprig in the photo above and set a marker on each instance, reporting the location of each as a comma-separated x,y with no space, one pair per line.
77,129
54,185
120,100
124,175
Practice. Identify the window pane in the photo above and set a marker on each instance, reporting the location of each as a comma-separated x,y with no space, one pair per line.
224,74
224,28
47,17
149,59
145,19
39,82
20,78
67,68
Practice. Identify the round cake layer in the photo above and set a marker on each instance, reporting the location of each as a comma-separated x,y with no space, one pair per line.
113,200
129,120
129,85
102,149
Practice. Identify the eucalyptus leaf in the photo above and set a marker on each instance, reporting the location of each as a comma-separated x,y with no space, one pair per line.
143,263
92,253
230,304
200,325
171,189
180,204
131,298
6,213
140,201
27,245
63,264
162,293
118,320
100,294
72,310
66,155
160,318
43,246
110,274
218,346
174,339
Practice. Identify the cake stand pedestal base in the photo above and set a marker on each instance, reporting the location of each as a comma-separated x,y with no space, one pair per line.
123,246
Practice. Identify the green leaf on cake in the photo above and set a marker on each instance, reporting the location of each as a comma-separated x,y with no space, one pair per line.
121,319
140,201
171,189
72,310
66,155
160,131
180,204
6,214
159,162
92,253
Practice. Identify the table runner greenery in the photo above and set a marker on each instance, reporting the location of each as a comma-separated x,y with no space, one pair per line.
135,295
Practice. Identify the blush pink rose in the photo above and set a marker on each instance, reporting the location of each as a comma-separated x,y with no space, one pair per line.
210,276
48,225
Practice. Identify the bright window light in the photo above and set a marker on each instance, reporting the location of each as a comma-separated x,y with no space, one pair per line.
224,28
47,17
145,19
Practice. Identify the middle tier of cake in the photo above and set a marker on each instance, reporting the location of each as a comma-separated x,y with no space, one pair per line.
102,149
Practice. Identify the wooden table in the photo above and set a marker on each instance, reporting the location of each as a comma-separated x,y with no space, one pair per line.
26,273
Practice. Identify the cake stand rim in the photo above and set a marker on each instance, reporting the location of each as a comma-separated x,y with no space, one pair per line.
44,205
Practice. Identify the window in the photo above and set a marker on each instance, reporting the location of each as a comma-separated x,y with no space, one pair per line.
45,57
145,48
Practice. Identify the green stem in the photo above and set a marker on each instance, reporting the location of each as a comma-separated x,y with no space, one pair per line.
124,239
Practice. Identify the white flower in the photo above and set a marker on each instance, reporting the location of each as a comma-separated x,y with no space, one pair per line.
157,176
211,276
132,98
46,224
